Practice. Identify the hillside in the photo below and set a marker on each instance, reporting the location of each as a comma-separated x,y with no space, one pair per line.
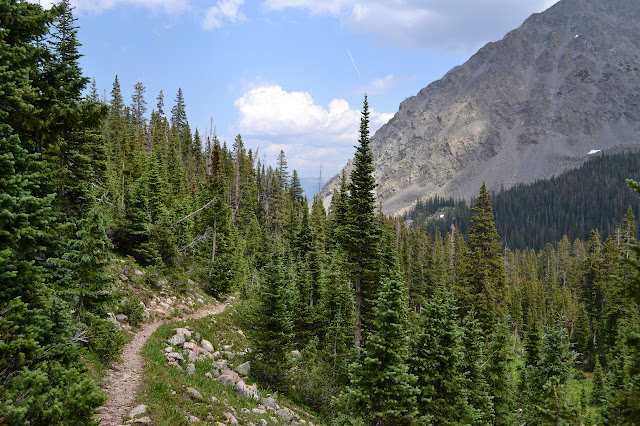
527,107
593,196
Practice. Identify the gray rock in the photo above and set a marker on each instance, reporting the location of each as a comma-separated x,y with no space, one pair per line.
195,394
244,369
206,345
270,403
185,331
137,411
258,410
196,336
244,391
286,414
143,421
177,340
122,318
194,419
192,356
214,399
229,378
228,355
231,419
263,422
168,349
295,354
174,356
191,368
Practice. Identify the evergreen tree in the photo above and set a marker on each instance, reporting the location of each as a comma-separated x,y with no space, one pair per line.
436,362
359,232
485,273
381,390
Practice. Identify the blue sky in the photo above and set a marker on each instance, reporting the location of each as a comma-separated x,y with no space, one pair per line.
286,74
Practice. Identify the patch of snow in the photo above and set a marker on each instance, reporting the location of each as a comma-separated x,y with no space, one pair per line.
441,216
576,36
593,151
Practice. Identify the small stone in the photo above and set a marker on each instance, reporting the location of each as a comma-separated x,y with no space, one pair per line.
228,355
191,368
214,399
168,349
123,277
122,317
264,422
216,355
229,378
227,347
208,374
195,394
206,345
138,411
259,411
192,356
143,421
269,402
194,419
244,368
196,336
295,354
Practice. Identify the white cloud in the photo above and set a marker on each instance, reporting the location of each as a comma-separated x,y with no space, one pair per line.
308,133
225,10
462,25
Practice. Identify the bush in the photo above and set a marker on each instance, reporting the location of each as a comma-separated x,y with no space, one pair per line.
132,307
106,339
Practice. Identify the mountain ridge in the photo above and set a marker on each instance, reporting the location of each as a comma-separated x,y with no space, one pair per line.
527,107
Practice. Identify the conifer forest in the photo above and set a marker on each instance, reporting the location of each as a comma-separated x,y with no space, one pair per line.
396,324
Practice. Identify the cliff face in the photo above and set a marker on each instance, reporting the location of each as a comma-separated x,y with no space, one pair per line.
526,107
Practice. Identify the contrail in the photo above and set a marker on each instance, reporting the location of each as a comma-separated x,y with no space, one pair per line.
353,62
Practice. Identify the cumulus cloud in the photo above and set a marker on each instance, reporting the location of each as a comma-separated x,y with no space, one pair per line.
462,25
224,10
308,133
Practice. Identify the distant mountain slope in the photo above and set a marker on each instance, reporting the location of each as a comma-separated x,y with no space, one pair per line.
593,196
529,106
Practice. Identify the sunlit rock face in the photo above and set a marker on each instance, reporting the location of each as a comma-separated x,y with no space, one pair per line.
529,106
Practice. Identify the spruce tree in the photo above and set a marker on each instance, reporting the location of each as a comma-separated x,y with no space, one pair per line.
382,390
485,273
359,231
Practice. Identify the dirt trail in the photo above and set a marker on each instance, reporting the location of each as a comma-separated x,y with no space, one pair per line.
123,379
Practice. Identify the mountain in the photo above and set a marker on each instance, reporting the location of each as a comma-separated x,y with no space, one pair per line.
529,106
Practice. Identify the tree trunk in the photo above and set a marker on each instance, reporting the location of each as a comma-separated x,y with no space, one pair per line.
358,333
213,250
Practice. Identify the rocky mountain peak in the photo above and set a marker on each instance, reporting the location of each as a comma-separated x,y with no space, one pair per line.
529,106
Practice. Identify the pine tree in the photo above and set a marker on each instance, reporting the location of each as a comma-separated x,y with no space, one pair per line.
381,390
436,361
485,273
359,231
43,378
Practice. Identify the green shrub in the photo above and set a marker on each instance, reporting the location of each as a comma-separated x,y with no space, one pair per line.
131,306
106,339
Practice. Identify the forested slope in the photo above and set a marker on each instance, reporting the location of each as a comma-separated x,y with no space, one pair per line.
593,196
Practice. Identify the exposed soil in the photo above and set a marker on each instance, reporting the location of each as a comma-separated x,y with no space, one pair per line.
123,380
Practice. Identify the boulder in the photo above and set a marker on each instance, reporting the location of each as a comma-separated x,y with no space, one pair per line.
137,411
244,391
229,377
206,345
174,356
286,414
270,403
185,331
177,340
244,368
231,419
195,394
